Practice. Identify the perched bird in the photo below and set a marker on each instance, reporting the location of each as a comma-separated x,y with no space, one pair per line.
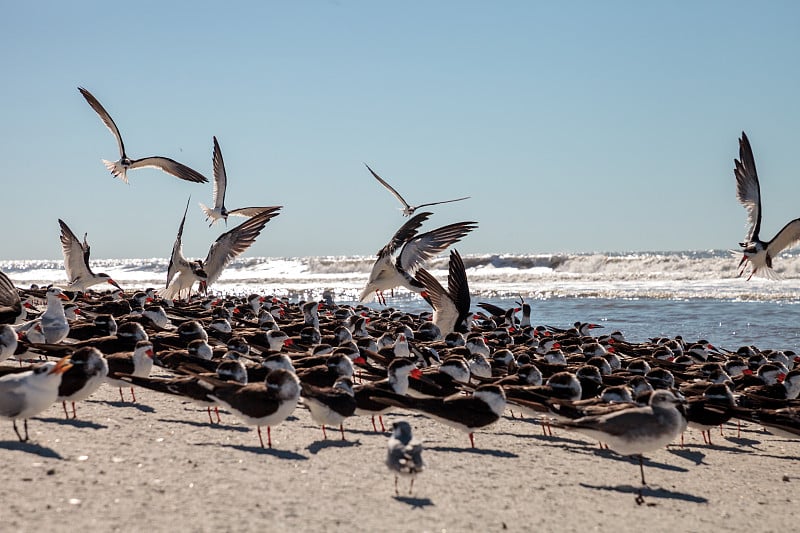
404,454
76,262
219,211
758,253
182,273
636,430
26,394
120,168
407,209
393,269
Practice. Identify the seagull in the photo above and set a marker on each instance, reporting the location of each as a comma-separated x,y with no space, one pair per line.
76,262
748,191
389,271
10,302
219,211
182,273
52,326
26,394
636,430
120,168
8,341
408,210
404,454
451,306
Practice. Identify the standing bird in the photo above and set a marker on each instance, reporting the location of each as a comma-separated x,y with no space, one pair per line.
219,211
120,168
404,454
748,192
76,262
26,394
88,372
393,269
408,210
225,249
52,326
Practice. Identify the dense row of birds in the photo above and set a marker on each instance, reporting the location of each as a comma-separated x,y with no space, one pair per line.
259,357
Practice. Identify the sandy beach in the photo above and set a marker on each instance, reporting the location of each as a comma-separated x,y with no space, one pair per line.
158,465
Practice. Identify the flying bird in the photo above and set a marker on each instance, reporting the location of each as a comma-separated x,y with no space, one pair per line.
748,191
451,306
182,273
404,454
219,211
76,262
393,269
407,209
120,168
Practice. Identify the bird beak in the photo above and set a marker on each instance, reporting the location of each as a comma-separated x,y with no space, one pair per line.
114,283
62,366
63,297
416,373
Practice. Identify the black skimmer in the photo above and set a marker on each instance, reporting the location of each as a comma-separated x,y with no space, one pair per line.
103,325
219,211
467,413
120,168
76,262
396,383
139,363
182,273
10,303
407,209
8,341
329,406
451,306
28,393
636,430
758,253
393,269
404,454
260,404
89,371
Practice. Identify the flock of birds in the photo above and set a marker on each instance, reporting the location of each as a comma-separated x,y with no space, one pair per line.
260,357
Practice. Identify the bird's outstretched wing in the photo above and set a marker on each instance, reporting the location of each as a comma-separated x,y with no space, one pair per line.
177,259
234,242
748,190
220,177
422,248
170,166
406,208
443,202
105,117
401,236
76,254
787,237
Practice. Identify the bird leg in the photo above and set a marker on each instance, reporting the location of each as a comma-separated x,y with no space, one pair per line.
210,420
74,413
260,438
341,428
64,405
17,431
324,435
380,419
396,492
411,486
472,439
641,468
133,395
216,410
269,436
374,428
121,397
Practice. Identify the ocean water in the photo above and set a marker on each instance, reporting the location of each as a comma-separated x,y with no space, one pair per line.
694,294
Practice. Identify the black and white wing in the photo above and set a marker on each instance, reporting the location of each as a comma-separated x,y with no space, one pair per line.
105,117
748,190
177,260
401,236
170,166
787,237
220,177
423,248
445,313
406,208
76,254
443,202
10,303
458,287
234,242
249,211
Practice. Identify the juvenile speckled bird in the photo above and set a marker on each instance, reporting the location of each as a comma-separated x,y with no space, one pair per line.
404,454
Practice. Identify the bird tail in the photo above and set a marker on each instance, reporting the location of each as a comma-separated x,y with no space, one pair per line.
117,169
209,213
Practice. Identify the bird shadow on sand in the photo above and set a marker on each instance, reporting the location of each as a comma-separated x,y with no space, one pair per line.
555,439
477,451
118,403
31,447
414,503
74,422
719,448
648,492
634,460
258,450
242,429
317,446
690,455
742,441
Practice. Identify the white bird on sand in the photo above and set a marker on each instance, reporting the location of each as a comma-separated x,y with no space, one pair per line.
219,211
404,454
407,209
748,191
182,273
393,269
26,394
120,168
76,262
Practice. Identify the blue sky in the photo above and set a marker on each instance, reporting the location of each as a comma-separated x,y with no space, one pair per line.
574,126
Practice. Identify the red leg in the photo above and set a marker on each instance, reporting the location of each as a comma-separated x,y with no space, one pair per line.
380,419
121,397
341,428
216,410
472,440
210,420
269,436
260,438
64,405
374,427
74,414
133,395
324,435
